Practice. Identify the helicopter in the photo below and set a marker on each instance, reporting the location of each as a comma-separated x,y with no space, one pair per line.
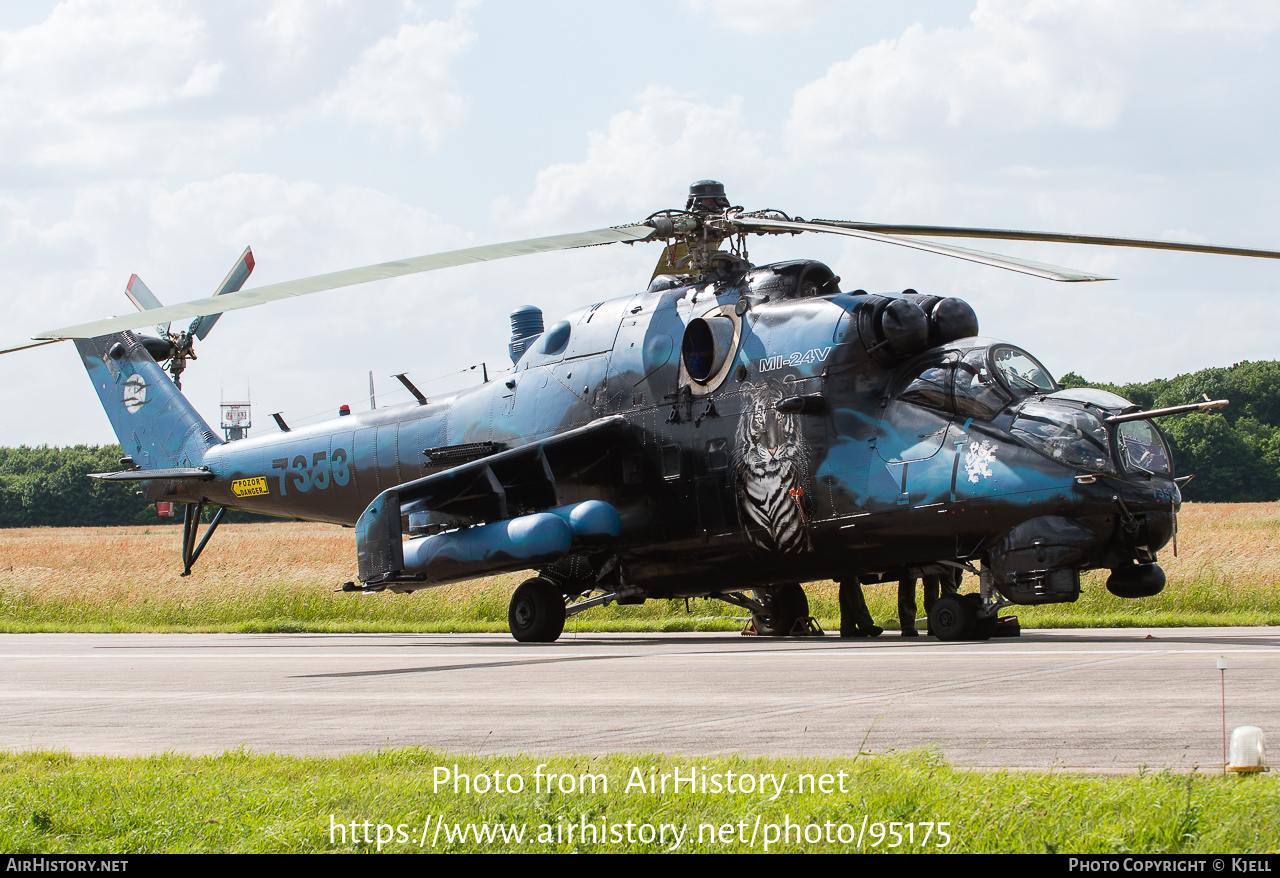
730,432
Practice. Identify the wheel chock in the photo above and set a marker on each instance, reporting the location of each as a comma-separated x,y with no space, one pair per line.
807,627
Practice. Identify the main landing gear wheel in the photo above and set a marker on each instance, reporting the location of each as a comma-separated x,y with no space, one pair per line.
952,618
786,603
536,614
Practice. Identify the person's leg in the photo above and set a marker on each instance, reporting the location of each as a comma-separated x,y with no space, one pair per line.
855,618
932,588
907,606
951,584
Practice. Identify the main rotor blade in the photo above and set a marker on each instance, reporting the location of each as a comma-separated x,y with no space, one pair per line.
352,276
232,283
1011,263
30,344
1053,237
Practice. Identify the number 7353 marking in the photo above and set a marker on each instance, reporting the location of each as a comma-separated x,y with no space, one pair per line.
315,474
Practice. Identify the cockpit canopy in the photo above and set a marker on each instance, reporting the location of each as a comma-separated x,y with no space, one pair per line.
1067,425
1070,435
1140,447
1061,427
974,381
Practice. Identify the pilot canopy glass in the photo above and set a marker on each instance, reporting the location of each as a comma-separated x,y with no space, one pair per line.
1071,436
976,393
1020,371
977,383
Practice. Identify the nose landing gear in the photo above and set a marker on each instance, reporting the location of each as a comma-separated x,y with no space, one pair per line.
952,618
960,617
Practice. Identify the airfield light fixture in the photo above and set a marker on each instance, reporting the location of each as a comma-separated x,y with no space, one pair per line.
1248,750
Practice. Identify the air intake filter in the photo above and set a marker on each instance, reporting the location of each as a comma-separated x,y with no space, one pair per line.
526,325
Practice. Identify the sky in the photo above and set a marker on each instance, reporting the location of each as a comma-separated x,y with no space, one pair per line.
163,137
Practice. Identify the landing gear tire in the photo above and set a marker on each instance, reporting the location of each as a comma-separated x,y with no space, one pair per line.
536,613
952,618
786,605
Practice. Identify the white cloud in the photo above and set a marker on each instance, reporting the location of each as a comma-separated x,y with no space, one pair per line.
403,83
96,83
762,16
1024,66
661,146
288,24
1006,71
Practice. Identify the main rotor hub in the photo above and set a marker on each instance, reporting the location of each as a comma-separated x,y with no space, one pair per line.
707,196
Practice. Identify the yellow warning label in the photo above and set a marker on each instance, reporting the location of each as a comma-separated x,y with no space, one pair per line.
249,487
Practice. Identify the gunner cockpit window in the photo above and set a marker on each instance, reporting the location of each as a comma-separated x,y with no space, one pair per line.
1071,436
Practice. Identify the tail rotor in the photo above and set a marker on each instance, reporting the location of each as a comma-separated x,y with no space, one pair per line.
177,347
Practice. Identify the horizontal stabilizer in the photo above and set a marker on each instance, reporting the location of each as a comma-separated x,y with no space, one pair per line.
159,475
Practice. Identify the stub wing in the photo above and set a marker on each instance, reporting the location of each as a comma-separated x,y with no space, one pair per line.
492,489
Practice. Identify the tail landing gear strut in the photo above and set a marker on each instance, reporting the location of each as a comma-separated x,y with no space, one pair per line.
190,526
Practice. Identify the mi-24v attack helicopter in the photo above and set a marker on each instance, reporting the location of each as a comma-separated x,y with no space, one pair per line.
730,432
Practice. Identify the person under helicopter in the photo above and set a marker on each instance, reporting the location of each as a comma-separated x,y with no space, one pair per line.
855,618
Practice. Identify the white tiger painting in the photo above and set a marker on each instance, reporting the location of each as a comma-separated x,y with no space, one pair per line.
771,464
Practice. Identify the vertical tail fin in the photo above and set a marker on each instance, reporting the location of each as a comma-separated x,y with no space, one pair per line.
154,422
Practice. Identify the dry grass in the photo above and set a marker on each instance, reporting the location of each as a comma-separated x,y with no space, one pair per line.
281,577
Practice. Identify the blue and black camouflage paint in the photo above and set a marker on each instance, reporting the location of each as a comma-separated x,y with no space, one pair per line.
715,489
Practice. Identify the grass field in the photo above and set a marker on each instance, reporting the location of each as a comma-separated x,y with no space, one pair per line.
281,577
240,802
